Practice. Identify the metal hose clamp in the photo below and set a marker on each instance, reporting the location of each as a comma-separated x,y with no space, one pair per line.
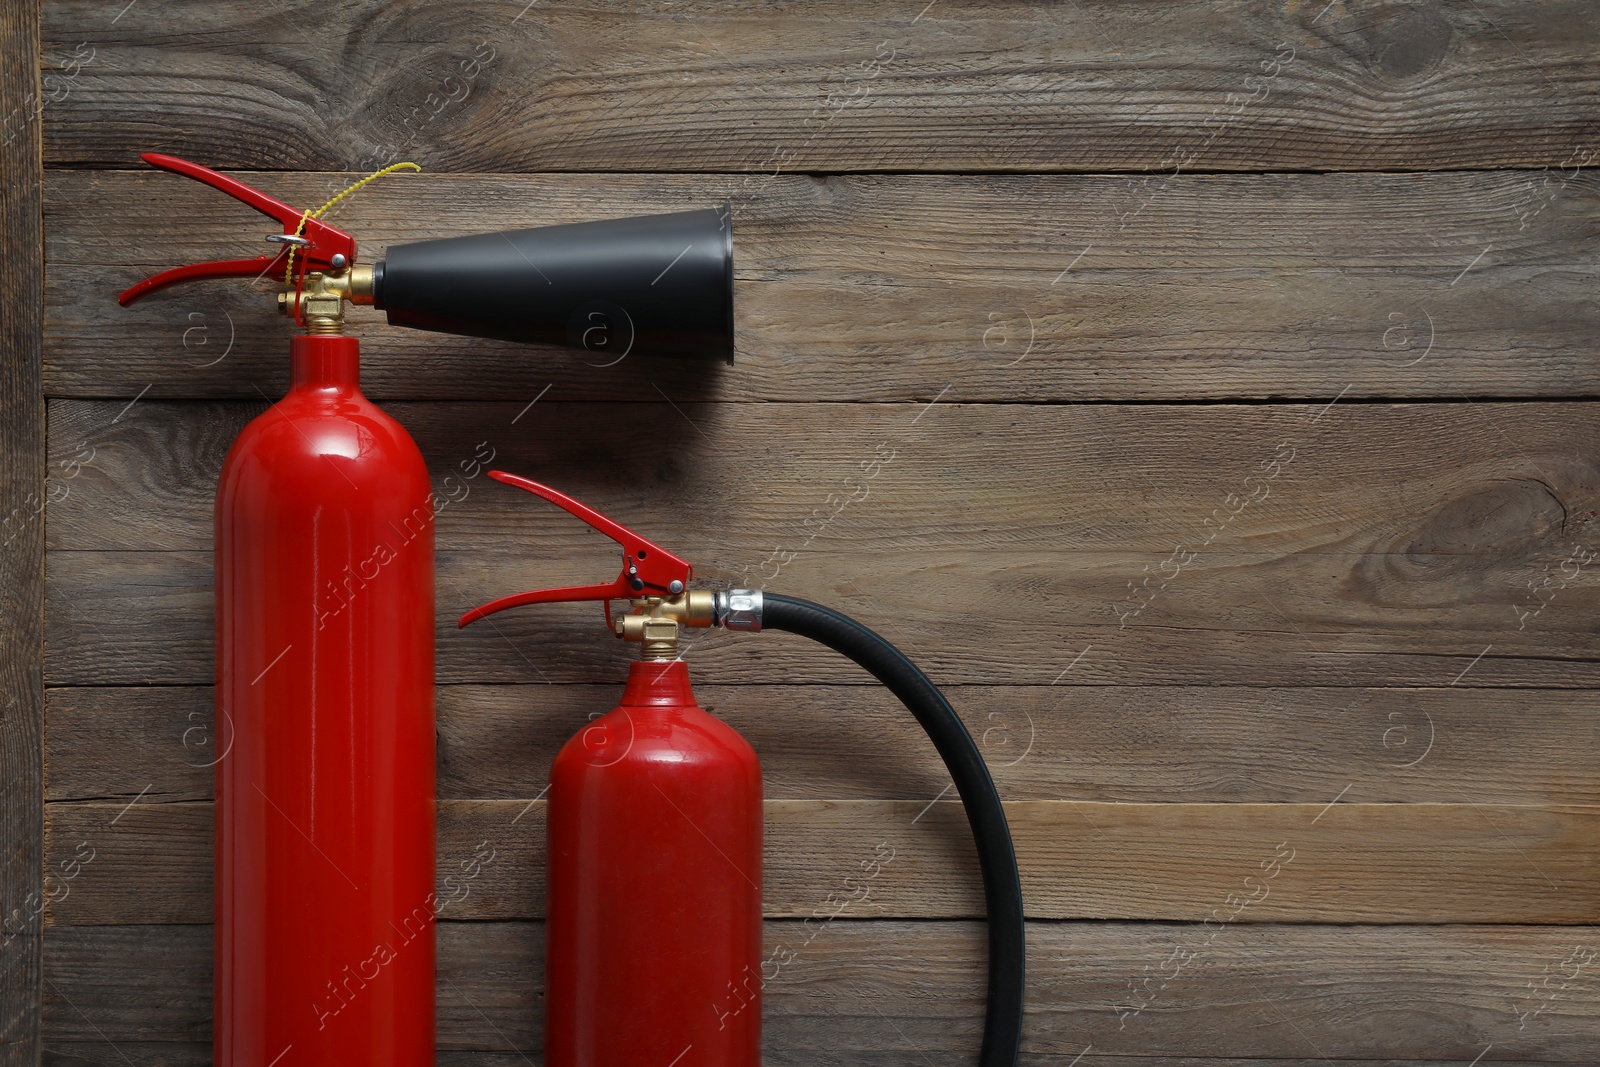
739,609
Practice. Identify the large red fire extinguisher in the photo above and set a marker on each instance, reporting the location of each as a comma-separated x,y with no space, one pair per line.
653,914
324,676
325,899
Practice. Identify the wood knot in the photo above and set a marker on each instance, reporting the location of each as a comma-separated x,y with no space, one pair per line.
1465,548
1401,41
1509,518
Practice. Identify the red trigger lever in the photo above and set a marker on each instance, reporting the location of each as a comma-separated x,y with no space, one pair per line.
318,242
647,568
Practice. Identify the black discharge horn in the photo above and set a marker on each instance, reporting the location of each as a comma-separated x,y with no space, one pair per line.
656,285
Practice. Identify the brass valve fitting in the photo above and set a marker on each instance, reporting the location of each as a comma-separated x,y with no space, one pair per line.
654,622
321,300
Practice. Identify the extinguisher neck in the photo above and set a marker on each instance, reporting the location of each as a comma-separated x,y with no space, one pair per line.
652,683
325,361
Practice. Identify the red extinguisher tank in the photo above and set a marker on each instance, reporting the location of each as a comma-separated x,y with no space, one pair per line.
653,953
654,911
324,699
324,684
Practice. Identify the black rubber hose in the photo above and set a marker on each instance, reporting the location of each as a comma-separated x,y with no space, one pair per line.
1002,884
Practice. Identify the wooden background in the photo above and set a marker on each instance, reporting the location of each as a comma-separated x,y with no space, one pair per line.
1229,369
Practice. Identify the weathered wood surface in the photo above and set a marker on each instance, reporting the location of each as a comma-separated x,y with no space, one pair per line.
1058,246
22,535
144,618
907,287
1099,85
1202,744
159,1054
1071,478
1328,862
165,1054
1398,545
904,993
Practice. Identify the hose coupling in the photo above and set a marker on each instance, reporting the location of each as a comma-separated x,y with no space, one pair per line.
739,609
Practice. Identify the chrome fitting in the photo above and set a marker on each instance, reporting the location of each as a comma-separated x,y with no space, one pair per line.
739,609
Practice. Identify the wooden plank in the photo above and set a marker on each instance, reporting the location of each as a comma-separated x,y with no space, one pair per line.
1344,862
198,1054
908,1057
1097,85
144,618
1216,744
1398,545
23,495
857,991
1214,286
1075,477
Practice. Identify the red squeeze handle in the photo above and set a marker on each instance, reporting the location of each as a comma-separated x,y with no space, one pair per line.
647,568
323,241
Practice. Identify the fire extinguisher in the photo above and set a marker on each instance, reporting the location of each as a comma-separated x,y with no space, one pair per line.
324,893
653,839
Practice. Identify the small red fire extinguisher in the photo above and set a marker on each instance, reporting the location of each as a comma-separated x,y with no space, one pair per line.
653,913
325,899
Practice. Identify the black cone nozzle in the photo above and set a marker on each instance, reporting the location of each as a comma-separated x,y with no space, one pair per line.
658,285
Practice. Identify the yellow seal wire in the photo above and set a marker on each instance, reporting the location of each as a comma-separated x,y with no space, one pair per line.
288,272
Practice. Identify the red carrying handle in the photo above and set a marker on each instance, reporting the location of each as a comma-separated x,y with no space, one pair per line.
647,568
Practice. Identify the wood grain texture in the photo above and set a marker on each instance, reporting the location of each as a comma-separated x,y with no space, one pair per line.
23,493
906,287
168,1054
1365,698
132,618
714,85
898,993
1201,744
1399,545
1330,862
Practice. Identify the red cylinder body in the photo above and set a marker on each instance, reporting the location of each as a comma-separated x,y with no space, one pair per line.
653,950
325,774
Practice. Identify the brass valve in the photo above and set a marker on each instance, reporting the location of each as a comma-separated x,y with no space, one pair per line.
321,300
654,621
